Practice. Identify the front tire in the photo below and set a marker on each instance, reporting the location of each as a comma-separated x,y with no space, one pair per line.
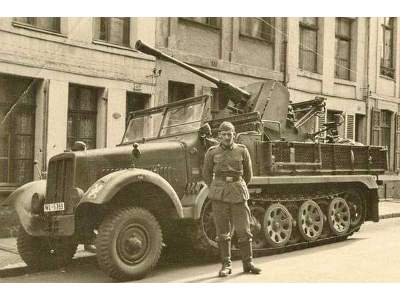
43,253
129,243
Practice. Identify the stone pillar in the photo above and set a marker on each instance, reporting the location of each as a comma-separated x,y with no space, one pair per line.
57,117
116,110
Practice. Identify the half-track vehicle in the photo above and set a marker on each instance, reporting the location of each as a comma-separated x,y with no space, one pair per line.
140,196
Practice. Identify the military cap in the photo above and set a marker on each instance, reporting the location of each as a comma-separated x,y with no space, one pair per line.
226,126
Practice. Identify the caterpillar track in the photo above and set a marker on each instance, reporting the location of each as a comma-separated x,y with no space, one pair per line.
282,222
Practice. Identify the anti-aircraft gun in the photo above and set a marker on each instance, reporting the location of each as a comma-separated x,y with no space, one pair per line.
269,98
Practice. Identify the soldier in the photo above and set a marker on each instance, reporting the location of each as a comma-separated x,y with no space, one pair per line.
230,164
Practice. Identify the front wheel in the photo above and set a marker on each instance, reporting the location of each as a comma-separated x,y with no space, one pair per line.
41,253
129,243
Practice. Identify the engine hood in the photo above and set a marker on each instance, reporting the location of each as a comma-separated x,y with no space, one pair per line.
167,158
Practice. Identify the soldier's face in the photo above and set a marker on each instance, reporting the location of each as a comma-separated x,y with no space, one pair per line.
227,137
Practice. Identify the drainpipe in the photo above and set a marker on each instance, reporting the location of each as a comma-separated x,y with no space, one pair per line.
285,53
45,124
367,70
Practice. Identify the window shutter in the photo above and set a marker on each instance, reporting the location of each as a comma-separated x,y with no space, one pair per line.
375,127
397,141
350,127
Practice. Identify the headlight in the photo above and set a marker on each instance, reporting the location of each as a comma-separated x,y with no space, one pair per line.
37,203
76,195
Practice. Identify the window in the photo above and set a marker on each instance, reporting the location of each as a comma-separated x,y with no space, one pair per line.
343,48
134,102
17,130
387,65
179,90
82,116
50,24
386,118
260,28
308,47
112,30
210,21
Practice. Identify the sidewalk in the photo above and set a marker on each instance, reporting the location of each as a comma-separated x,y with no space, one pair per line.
10,260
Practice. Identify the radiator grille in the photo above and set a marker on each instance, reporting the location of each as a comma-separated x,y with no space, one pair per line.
60,181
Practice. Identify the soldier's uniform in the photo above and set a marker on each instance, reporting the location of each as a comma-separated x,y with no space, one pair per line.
227,171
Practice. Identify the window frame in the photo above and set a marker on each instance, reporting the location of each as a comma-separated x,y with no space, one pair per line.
270,37
386,70
12,136
349,39
173,85
203,24
303,26
76,114
17,22
126,41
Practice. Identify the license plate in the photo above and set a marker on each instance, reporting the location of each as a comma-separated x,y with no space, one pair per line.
59,206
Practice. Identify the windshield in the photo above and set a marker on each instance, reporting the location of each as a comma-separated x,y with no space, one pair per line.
182,119
146,127
177,120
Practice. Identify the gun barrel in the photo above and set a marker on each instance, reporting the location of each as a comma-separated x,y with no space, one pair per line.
142,47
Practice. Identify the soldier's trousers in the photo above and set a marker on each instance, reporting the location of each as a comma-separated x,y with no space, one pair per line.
227,215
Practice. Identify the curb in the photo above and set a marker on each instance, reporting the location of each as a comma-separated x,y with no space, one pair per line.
388,216
20,268
17,269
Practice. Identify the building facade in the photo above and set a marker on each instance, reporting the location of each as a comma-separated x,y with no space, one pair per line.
69,79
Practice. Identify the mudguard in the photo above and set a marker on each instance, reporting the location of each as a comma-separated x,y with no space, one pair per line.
104,189
199,203
21,199
368,181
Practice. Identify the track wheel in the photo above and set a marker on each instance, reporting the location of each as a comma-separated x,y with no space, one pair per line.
310,220
277,225
259,240
129,243
339,216
42,253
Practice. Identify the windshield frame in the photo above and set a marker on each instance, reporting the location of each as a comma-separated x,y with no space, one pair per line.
164,108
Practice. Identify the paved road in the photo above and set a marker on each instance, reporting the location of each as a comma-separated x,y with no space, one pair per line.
371,255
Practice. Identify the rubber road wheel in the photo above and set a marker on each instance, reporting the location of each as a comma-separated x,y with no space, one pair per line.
41,253
129,243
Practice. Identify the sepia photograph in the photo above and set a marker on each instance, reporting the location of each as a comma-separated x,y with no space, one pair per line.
172,147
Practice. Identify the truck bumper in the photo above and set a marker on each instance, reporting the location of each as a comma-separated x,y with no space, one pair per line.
62,225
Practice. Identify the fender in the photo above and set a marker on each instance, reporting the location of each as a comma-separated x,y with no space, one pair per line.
21,198
104,189
367,180
199,202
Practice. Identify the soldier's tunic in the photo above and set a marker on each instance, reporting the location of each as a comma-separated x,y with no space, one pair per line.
227,171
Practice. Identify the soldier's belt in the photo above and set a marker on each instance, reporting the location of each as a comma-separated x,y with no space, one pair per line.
228,178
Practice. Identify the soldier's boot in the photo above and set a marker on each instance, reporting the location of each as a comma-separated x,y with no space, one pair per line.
226,268
225,250
247,258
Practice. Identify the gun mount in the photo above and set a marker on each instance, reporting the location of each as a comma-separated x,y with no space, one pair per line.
269,98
